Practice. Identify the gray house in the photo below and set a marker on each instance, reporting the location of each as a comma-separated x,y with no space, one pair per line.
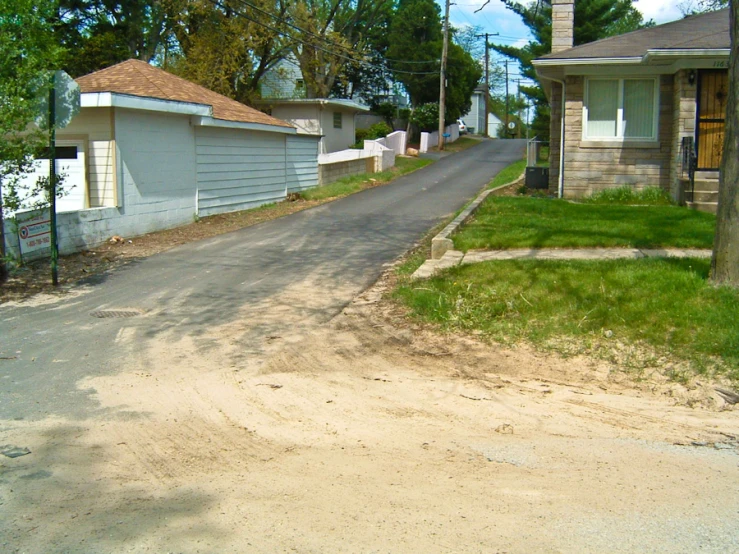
634,109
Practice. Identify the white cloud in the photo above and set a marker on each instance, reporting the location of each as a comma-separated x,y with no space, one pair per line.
661,11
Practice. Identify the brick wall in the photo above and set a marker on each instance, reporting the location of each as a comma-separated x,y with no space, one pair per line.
683,125
592,166
330,172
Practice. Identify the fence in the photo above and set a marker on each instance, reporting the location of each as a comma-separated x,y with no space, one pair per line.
377,155
430,140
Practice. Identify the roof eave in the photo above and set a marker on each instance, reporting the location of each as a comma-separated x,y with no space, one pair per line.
555,62
673,53
129,101
321,101
228,124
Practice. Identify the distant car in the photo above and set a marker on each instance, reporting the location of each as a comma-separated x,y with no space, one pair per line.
462,127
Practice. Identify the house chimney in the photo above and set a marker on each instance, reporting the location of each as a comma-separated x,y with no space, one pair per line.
563,25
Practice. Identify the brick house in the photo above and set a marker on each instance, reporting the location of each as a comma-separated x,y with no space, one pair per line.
638,106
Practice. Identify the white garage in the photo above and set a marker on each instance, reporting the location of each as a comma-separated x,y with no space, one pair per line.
150,151
70,156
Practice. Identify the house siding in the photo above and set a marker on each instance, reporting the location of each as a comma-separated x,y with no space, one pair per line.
238,170
156,165
302,163
594,166
94,126
683,125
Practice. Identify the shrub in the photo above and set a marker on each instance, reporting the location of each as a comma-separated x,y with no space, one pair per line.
629,195
379,130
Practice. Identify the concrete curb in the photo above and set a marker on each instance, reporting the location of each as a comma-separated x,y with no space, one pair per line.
441,243
452,258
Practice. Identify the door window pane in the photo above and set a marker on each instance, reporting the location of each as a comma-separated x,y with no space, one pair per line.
602,108
638,108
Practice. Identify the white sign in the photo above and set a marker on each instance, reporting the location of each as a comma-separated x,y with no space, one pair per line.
67,105
34,230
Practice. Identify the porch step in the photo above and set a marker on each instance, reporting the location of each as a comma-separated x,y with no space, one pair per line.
701,185
709,207
703,196
706,175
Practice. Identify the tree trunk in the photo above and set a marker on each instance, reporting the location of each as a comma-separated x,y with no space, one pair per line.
3,267
725,262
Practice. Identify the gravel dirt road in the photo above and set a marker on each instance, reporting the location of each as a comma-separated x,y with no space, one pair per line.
274,403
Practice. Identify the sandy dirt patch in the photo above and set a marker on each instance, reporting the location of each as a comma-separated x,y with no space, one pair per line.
367,434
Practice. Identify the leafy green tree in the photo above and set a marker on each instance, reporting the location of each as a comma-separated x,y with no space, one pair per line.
416,37
100,33
594,20
222,47
330,33
28,49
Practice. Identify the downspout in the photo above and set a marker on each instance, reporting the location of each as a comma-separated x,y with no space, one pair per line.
561,178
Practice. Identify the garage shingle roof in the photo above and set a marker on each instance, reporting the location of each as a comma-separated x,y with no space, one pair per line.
138,78
705,31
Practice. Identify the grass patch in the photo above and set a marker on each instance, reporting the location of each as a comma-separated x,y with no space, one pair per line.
354,183
610,307
651,196
509,222
508,174
462,143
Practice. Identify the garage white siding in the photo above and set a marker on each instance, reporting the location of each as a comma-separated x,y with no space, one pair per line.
95,127
302,162
238,170
156,169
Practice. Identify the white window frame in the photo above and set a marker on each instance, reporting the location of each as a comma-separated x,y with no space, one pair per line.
620,110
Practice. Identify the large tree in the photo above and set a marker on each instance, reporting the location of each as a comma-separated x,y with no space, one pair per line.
226,46
28,48
416,39
725,261
594,20
100,33
329,35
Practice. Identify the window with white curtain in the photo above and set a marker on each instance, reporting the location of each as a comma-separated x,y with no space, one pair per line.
620,109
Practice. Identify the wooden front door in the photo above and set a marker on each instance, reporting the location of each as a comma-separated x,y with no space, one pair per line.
713,93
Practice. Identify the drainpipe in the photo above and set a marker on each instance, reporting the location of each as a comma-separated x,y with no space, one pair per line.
561,180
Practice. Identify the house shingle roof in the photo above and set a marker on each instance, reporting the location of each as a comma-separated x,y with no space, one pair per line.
138,78
705,31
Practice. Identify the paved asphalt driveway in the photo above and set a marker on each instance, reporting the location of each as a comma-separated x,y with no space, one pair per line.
338,248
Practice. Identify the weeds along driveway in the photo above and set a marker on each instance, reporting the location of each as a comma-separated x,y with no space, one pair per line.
284,276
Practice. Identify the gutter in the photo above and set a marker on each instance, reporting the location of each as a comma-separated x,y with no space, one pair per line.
561,177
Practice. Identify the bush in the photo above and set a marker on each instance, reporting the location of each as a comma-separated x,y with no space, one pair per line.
629,195
378,130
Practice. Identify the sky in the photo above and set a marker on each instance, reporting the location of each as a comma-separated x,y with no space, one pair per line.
496,18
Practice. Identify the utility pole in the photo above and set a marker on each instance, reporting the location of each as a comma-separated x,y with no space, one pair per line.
442,77
506,97
487,77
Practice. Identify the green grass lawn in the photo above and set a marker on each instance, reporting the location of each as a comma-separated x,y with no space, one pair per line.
462,143
520,222
665,306
510,173
355,183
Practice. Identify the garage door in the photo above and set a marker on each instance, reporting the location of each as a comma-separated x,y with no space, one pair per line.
71,163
